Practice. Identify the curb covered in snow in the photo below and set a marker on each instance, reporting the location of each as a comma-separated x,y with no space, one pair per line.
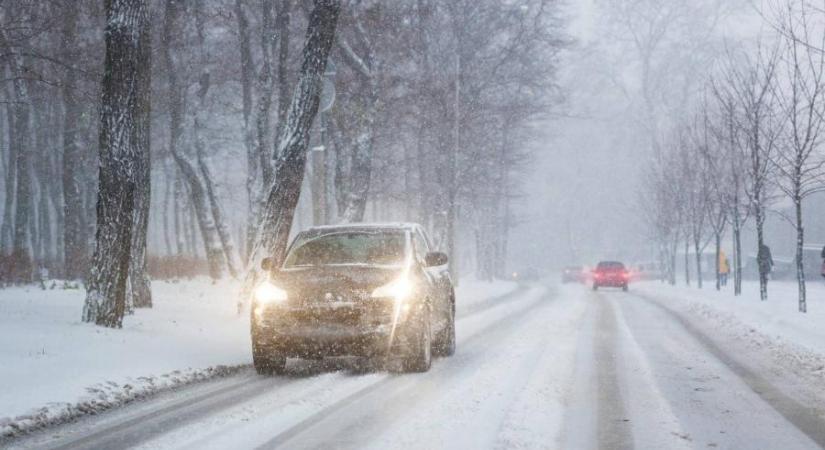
109,395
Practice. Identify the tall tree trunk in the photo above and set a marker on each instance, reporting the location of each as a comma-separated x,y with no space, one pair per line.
737,259
698,255
121,141
282,198
282,20
361,166
717,241
167,209
140,291
218,215
178,211
759,216
800,243
687,261
75,240
7,231
21,256
247,75
265,87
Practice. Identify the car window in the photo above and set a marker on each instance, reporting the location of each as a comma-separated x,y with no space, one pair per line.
610,265
345,248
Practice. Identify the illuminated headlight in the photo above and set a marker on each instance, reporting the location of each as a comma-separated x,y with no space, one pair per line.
267,294
399,290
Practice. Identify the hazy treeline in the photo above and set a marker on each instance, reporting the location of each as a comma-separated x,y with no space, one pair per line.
434,102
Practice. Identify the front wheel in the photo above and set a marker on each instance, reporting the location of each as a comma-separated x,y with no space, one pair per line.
595,287
420,356
625,288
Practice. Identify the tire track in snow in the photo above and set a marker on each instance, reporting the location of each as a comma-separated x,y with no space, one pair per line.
804,418
397,386
154,423
612,422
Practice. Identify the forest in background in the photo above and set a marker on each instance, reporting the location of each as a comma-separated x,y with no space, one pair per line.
434,101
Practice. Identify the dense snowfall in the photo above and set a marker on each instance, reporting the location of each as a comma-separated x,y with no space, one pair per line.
423,224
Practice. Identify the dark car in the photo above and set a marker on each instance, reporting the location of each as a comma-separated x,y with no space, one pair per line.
374,291
573,274
610,274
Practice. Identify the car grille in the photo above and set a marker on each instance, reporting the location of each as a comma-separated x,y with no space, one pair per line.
311,311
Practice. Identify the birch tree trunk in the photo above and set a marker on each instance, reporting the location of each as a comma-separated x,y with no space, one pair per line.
282,195
121,141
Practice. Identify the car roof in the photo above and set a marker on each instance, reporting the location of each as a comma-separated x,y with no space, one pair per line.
367,227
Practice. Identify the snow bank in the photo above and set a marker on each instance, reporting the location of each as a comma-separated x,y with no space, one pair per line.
774,326
777,317
53,367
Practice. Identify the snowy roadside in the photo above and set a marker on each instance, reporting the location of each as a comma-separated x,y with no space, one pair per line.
773,328
55,368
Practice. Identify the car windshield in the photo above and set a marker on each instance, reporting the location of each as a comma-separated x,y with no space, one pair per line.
348,248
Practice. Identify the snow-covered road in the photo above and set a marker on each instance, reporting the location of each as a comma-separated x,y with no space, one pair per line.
541,367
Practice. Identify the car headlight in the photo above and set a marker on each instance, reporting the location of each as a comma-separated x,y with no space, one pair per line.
399,290
267,293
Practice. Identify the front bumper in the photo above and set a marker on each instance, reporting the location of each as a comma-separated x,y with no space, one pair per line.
320,332
611,282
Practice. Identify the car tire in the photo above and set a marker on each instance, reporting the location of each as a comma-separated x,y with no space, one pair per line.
445,346
267,362
595,287
420,357
625,288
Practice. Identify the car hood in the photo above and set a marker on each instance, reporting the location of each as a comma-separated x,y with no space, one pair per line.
360,280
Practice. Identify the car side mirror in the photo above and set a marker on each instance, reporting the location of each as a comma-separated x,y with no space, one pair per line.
436,259
267,264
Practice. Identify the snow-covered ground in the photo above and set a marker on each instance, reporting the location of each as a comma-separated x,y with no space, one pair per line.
541,366
53,366
775,322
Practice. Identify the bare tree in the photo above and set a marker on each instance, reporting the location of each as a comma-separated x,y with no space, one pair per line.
752,83
802,102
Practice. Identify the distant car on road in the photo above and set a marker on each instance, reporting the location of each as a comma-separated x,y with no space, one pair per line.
573,274
362,290
611,274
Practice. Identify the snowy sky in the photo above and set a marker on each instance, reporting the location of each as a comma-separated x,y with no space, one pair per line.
583,195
